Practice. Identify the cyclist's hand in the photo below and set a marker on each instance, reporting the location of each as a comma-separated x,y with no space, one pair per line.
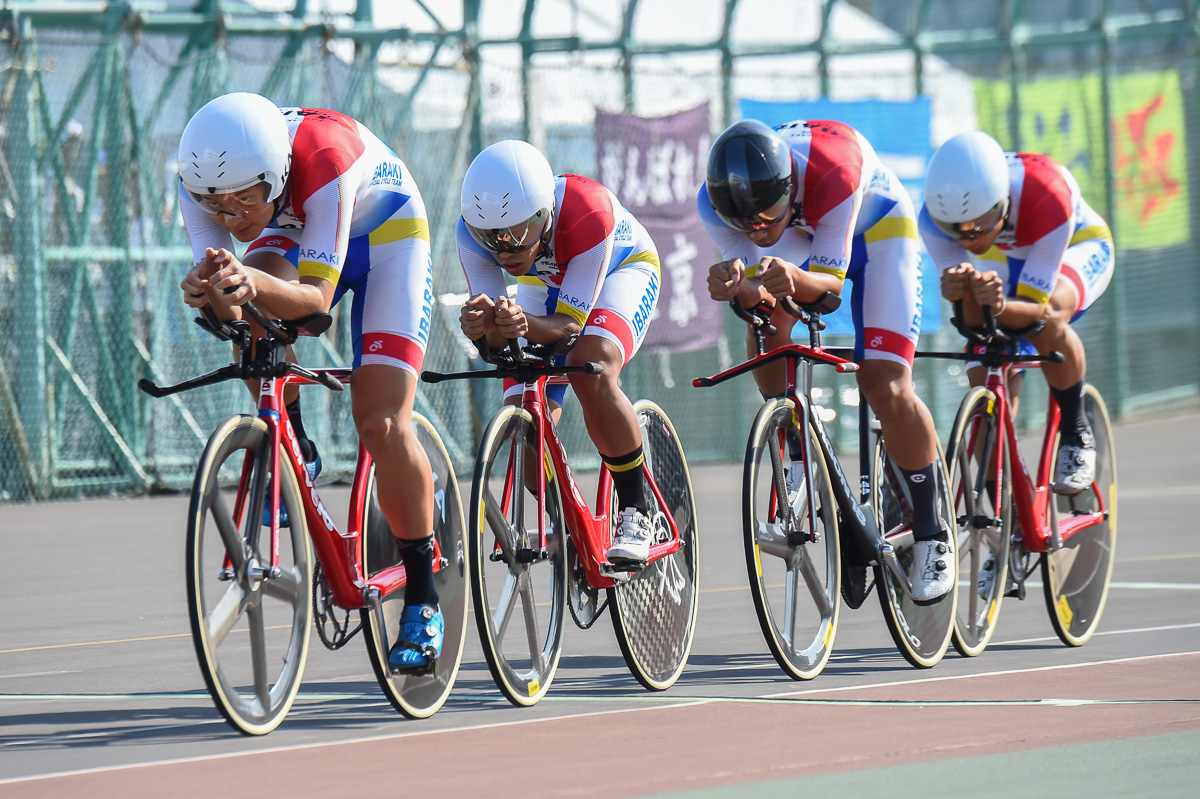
233,274
725,278
477,317
956,281
196,282
988,289
510,319
778,276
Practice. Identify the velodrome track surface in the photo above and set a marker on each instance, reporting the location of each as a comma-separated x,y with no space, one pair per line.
100,694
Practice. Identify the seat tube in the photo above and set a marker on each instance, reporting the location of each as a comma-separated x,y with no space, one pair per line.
270,409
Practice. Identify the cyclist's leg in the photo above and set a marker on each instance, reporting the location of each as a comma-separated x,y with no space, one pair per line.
886,307
1082,277
612,334
390,320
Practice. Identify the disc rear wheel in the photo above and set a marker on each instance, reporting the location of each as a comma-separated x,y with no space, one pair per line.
654,613
1076,576
420,695
921,631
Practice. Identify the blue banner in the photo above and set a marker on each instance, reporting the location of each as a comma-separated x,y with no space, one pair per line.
899,132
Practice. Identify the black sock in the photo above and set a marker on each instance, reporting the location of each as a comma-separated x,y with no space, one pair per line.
1070,403
922,489
417,556
626,471
307,448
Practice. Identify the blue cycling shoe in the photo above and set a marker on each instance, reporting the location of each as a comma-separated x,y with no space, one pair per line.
314,469
419,643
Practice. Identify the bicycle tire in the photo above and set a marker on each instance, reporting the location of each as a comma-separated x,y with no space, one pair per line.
654,613
419,696
922,632
981,542
522,661
1076,577
799,633
252,674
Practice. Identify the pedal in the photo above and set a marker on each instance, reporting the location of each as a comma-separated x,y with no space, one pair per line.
622,570
429,668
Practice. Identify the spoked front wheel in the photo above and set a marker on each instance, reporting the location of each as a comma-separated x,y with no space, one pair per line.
921,631
1077,575
518,587
793,556
982,518
250,620
654,613
420,695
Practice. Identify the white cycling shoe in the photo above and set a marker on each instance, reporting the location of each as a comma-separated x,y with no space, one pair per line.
1076,463
632,542
932,570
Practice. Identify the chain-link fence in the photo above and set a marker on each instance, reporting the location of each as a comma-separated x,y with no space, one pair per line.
92,247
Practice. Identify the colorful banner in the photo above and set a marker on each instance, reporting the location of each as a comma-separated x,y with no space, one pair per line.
899,132
1064,118
655,167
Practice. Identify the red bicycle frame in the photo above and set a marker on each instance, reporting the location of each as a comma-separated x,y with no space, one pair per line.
1041,529
588,531
340,554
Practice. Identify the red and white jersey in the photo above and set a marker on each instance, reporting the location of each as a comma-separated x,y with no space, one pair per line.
845,190
592,235
1047,214
344,183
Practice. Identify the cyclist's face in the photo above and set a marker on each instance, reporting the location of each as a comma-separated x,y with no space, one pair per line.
244,213
770,233
984,241
519,263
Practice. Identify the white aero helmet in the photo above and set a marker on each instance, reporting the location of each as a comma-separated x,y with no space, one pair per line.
508,196
234,142
967,181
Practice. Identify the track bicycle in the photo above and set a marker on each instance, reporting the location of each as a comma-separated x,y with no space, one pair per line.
1007,522
803,550
537,550
253,589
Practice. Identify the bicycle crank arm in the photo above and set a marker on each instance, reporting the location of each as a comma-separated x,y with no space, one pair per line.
887,556
373,598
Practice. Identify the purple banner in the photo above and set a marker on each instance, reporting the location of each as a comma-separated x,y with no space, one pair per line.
655,167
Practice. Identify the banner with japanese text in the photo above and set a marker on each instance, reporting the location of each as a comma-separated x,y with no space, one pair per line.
899,133
655,167
1063,118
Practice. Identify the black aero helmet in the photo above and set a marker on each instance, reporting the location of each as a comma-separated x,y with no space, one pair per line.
749,175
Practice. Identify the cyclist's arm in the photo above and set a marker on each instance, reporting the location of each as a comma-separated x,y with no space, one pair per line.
202,228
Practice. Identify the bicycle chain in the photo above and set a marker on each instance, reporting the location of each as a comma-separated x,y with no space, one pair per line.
332,632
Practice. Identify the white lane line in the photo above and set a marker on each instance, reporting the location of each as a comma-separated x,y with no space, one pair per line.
1005,672
1129,631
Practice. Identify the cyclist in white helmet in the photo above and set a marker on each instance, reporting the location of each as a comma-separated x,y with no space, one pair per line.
1040,254
325,206
583,266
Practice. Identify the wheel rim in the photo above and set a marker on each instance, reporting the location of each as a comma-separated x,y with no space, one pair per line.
420,696
251,632
980,544
656,610
795,587
522,642
1077,576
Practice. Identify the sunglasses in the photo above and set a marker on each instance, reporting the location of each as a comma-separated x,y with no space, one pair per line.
969,231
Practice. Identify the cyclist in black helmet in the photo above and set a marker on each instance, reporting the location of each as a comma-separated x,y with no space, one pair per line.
796,210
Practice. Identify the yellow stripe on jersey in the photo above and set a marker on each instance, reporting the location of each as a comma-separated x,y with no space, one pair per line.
840,274
529,281
994,254
571,311
1030,293
1090,234
645,256
318,269
892,227
397,229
